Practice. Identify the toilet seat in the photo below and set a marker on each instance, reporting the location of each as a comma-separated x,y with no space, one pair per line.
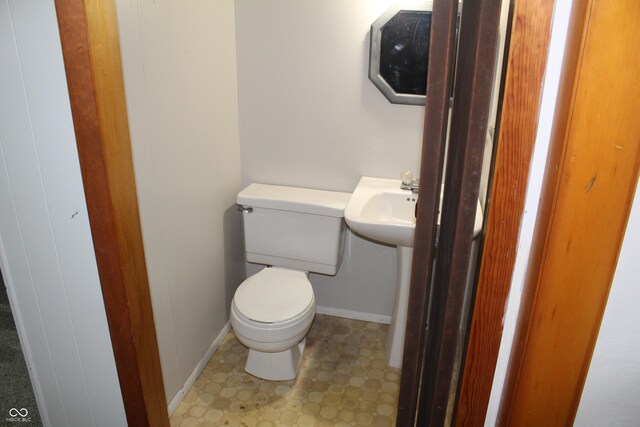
274,296
273,309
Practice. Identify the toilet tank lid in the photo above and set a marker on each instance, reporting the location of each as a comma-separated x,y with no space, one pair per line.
295,199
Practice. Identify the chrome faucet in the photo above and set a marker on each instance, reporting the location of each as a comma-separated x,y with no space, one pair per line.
408,183
415,185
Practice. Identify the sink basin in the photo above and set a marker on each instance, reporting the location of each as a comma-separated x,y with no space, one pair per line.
381,211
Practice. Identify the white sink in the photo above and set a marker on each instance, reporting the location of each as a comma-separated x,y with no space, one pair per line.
380,210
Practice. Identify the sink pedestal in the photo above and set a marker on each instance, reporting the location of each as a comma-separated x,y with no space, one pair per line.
380,210
395,336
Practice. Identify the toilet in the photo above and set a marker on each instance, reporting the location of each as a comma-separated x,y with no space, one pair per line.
293,231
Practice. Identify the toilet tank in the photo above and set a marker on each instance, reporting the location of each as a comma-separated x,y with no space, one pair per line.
294,227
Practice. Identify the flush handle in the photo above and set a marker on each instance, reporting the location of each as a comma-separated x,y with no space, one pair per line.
245,209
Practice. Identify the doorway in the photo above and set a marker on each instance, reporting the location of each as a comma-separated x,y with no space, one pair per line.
137,237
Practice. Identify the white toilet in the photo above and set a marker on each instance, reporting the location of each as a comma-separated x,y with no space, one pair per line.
294,231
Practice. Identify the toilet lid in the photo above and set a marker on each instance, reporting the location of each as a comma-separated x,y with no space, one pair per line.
274,295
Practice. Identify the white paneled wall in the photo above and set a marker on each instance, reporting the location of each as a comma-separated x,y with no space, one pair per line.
46,248
179,66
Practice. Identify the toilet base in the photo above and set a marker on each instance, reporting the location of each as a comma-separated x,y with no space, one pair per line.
280,366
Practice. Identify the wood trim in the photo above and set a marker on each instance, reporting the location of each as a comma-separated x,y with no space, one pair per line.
469,123
527,59
591,177
439,82
89,35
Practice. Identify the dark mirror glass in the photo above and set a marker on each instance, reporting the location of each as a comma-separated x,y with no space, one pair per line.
404,51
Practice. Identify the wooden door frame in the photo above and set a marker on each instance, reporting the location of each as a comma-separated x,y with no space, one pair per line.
91,52
589,185
521,93
516,133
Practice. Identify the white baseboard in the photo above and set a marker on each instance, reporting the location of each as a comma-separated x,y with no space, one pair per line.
356,315
173,405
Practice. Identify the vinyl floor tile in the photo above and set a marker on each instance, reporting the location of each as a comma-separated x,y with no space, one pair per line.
343,381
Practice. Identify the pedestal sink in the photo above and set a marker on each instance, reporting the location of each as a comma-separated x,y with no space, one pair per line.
381,211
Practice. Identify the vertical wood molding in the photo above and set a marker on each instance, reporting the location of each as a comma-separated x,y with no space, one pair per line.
479,28
591,176
439,79
527,59
89,36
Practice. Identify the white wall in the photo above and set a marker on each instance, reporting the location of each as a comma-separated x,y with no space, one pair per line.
310,117
534,187
308,113
46,251
180,80
611,395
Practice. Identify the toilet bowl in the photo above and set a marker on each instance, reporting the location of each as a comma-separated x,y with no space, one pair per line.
292,231
271,313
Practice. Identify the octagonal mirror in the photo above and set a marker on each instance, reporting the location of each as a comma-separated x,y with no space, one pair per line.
399,55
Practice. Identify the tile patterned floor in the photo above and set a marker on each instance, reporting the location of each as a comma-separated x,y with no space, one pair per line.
343,381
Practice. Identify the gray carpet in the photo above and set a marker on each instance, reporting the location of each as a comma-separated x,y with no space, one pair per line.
15,390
